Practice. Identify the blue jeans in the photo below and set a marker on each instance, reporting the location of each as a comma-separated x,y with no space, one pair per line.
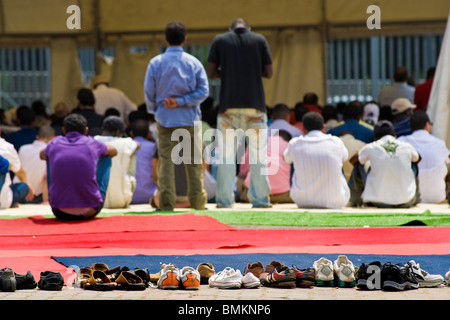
19,190
241,124
103,172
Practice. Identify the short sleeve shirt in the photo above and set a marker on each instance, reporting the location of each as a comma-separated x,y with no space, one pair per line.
318,181
73,167
391,179
241,56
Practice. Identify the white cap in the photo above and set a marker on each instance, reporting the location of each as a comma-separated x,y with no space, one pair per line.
371,113
401,105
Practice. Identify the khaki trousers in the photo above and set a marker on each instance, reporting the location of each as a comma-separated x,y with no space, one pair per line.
168,152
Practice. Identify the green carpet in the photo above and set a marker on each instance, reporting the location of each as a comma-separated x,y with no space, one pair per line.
321,219
306,218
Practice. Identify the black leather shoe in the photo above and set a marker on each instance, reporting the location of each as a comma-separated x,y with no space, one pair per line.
50,280
7,280
25,281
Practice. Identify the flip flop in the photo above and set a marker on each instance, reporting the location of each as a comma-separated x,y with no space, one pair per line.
130,282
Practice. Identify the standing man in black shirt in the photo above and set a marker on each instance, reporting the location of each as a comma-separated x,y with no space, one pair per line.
241,58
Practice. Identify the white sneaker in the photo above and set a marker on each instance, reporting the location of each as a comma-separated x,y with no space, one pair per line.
447,278
344,272
228,278
190,278
324,272
250,281
425,279
170,277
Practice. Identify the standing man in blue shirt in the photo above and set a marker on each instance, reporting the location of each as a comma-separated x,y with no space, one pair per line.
175,84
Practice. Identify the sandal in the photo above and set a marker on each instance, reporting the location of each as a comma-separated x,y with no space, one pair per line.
84,274
99,281
104,267
130,282
144,274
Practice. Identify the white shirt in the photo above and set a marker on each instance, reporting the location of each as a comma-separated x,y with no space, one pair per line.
106,97
284,125
8,152
318,181
432,166
391,179
34,167
122,182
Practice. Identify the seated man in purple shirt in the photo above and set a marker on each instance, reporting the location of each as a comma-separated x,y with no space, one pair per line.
78,168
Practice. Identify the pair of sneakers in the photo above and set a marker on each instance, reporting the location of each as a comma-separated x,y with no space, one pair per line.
340,273
230,278
281,276
174,278
375,276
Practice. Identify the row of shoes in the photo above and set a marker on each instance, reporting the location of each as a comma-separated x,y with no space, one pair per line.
341,273
11,281
324,272
275,274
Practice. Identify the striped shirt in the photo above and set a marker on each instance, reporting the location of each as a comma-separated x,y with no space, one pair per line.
318,180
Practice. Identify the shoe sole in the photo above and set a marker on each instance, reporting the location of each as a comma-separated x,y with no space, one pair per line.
430,284
394,286
305,283
226,285
280,284
92,287
130,287
323,283
251,285
169,287
345,284
362,284
191,288
27,286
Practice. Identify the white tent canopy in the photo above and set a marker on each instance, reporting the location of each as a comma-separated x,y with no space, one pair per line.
297,31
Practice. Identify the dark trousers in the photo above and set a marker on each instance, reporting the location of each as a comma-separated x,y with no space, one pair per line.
103,171
357,182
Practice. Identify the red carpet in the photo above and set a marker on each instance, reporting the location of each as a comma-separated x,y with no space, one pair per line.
238,238
38,225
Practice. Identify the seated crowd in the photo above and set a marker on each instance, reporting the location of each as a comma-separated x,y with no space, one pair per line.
353,154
